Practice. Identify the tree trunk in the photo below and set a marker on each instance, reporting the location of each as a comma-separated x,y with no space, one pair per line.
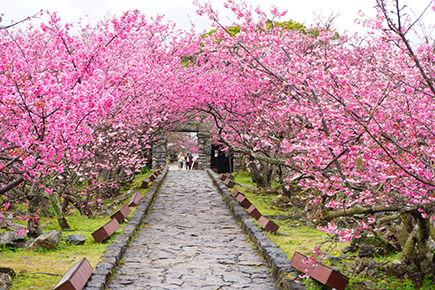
242,161
416,255
33,211
45,206
256,175
267,175
65,204
60,215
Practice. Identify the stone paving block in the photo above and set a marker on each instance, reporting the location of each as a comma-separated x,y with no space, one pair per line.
236,278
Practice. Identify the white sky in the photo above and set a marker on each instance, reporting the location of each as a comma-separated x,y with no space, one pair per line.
179,11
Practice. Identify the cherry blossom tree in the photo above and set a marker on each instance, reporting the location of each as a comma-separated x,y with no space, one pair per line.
350,116
81,108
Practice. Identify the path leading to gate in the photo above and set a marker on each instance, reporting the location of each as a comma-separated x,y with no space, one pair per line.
191,241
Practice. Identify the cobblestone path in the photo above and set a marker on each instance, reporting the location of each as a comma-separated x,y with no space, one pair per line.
191,241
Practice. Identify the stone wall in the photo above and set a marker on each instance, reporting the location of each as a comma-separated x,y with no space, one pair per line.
204,150
159,155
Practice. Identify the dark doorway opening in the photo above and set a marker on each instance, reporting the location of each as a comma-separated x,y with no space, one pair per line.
220,160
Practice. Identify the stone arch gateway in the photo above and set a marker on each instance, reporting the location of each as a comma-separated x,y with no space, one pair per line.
204,146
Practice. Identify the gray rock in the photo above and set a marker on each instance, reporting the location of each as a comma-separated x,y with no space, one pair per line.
348,249
24,244
8,271
16,227
48,240
366,252
395,269
11,238
76,239
5,280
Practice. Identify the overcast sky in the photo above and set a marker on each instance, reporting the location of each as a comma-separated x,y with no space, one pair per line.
183,11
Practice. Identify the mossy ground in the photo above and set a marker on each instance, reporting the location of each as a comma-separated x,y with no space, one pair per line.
43,269
292,235
295,236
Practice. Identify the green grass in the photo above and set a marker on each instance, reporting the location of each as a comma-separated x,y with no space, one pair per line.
301,238
27,263
42,269
297,237
244,177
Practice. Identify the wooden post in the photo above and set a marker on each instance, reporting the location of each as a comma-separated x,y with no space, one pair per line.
267,224
235,193
243,201
152,177
228,182
106,231
320,272
253,211
76,276
229,175
135,199
121,214
145,183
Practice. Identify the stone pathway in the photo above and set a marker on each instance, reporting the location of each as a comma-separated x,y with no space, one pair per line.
191,241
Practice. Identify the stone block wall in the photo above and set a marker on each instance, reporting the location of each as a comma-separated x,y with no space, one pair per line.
204,150
159,155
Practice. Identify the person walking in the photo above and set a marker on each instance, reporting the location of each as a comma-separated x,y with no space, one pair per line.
180,160
189,160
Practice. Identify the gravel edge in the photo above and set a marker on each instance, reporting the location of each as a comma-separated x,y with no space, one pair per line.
275,258
115,251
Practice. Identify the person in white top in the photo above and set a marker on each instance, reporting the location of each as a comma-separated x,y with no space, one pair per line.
180,160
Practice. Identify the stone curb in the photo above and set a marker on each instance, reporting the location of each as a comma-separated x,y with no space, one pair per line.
275,258
114,252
